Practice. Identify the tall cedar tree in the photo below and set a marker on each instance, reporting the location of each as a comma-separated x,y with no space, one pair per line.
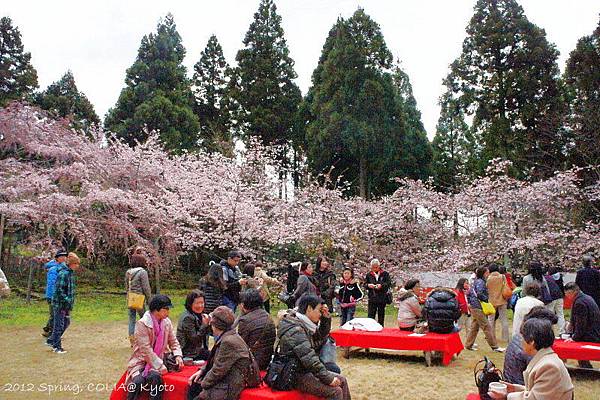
506,79
18,78
158,94
214,106
356,112
63,99
264,80
582,77
451,147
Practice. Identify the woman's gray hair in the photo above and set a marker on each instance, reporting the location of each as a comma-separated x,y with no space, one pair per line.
539,331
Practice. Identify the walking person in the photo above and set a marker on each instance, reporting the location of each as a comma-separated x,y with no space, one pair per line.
378,283
478,293
349,294
233,279
51,268
325,279
536,274
137,281
556,285
496,283
63,300
306,282
588,279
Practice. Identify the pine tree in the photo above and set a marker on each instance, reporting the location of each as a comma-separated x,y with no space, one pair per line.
582,78
357,112
157,94
63,99
265,87
213,104
18,78
506,79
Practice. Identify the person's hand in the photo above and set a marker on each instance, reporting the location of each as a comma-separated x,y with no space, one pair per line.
570,339
205,319
179,361
511,387
371,286
325,311
195,378
496,396
379,286
335,382
243,281
163,370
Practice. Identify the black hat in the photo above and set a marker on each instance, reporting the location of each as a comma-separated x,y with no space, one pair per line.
61,253
159,302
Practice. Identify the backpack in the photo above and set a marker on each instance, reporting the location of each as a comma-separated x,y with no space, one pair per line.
517,294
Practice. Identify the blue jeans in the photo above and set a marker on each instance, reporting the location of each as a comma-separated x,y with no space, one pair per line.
347,314
62,320
132,319
229,303
328,355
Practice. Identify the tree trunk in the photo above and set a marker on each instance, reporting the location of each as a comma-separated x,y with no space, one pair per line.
1,237
455,225
362,177
29,282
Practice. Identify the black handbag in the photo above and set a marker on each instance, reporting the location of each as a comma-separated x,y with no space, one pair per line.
486,375
170,362
281,374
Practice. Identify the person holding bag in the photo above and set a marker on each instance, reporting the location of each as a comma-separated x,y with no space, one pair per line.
138,290
478,298
498,287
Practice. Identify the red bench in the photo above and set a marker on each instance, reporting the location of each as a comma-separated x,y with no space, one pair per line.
473,396
577,350
176,384
395,339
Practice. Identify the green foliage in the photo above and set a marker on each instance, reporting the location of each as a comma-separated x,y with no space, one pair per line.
63,99
582,78
18,78
506,80
264,80
157,94
214,107
361,117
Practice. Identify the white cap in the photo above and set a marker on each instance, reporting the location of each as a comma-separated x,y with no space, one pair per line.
375,261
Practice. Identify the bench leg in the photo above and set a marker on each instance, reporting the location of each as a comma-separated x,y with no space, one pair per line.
346,352
427,358
367,350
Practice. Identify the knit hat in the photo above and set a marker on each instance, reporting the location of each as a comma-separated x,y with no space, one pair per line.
72,259
222,318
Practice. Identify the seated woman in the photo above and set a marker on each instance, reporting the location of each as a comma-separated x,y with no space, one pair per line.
153,335
224,375
409,309
441,310
515,358
546,376
193,327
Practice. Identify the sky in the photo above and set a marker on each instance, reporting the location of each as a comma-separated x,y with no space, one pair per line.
98,40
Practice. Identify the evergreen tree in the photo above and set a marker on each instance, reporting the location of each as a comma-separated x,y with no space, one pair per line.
506,79
157,94
265,87
416,155
64,100
18,78
213,103
582,77
361,117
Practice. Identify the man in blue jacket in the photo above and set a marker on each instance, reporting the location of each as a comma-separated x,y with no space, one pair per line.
51,273
585,318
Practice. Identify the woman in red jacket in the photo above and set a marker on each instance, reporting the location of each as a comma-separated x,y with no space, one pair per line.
461,295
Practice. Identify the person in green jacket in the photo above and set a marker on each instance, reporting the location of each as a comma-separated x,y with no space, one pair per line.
62,301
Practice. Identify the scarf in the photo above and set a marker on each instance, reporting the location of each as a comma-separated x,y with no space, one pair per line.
159,340
311,326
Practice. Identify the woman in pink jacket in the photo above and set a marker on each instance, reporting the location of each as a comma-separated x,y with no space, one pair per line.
154,336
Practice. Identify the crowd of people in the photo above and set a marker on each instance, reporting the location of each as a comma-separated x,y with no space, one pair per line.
302,333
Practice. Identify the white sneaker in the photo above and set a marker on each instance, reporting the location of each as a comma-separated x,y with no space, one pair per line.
500,349
60,351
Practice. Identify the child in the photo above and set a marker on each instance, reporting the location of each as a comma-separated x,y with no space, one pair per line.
349,294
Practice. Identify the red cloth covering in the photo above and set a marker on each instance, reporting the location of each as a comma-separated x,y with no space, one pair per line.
395,339
176,384
473,396
576,351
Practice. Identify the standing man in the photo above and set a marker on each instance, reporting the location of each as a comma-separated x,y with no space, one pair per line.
585,318
325,281
51,272
62,301
588,279
233,279
377,283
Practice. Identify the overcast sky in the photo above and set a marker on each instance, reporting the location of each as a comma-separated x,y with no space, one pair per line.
98,40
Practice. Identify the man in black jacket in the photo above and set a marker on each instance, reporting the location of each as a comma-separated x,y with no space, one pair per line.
300,333
585,318
441,310
378,283
233,279
588,279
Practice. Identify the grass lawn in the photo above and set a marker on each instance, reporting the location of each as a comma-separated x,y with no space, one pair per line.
98,350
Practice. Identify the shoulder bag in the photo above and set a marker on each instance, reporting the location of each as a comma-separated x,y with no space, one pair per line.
135,301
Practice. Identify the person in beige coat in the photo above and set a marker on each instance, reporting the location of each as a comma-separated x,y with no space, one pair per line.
496,282
154,336
546,377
